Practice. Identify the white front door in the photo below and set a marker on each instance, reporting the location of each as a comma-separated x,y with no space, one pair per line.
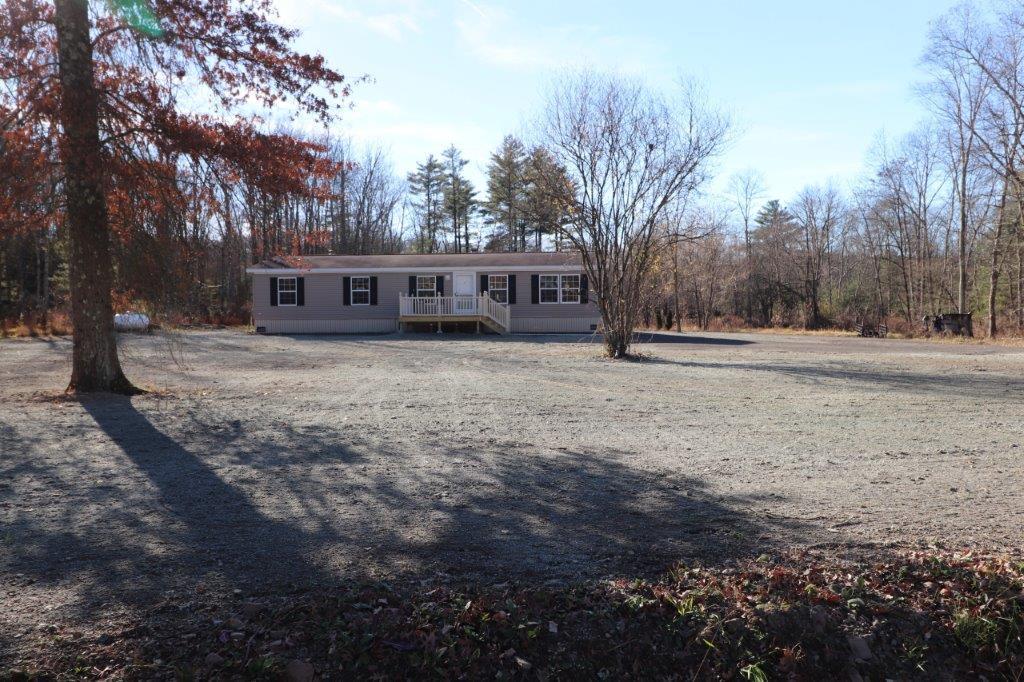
464,285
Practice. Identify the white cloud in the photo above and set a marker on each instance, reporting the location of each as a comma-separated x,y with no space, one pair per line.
490,33
373,107
410,140
475,7
392,19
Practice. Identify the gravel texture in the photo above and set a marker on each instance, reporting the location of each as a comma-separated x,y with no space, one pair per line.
262,463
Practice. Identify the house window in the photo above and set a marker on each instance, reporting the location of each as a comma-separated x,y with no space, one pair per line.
426,285
549,288
559,288
570,288
360,291
497,287
286,291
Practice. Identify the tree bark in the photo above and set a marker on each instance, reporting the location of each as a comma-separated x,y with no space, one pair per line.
94,362
961,305
993,277
675,287
616,344
748,273
1020,277
993,284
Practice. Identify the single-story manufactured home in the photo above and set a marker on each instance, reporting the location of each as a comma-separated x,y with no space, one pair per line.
502,292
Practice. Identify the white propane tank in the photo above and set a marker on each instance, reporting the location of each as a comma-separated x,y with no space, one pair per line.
131,322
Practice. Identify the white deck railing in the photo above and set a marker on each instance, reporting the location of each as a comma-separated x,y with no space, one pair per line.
499,312
439,307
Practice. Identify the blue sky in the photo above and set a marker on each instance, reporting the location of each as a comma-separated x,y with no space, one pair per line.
809,84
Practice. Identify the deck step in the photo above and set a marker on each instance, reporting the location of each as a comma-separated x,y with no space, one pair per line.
493,326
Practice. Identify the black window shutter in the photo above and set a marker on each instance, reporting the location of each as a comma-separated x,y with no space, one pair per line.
373,290
412,285
346,291
440,285
534,288
300,290
273,291
584,287
483,284
511,289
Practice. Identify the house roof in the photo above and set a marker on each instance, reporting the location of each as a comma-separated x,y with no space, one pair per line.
546,259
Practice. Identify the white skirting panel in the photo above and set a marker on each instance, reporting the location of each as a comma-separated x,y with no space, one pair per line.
555,325
520,325
380,326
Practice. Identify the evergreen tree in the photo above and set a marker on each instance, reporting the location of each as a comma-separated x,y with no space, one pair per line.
772,213
459,198
547,199
427,186
776,276
506,194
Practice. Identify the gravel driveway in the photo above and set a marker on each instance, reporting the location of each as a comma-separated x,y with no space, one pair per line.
262,462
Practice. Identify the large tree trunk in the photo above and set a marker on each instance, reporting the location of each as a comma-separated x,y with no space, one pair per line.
993,283
749,278
1020,278
94,362
961,305
616,343
675,287
993,279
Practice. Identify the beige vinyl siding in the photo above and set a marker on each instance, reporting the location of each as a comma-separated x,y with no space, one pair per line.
346,326
325,313
324,298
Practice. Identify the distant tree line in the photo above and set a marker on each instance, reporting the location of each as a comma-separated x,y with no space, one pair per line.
935,225
182,248
184,243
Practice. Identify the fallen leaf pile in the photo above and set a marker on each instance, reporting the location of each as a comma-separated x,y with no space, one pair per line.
929,615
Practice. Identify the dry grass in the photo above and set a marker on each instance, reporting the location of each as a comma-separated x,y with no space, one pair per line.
743,329
900,330
56,323
1002,341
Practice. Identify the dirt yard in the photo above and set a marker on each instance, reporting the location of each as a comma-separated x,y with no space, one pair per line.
268,462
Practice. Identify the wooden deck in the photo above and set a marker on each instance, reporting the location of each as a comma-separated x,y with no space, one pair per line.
481,309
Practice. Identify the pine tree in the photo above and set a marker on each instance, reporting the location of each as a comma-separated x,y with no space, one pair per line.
427,185
547,199
774,242
772,213
506,193
459,198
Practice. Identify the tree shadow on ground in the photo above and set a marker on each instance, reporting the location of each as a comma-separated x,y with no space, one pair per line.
674,337
132,510
147,508
981,386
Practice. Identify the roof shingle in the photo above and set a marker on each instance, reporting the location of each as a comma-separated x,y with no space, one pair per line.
431,260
